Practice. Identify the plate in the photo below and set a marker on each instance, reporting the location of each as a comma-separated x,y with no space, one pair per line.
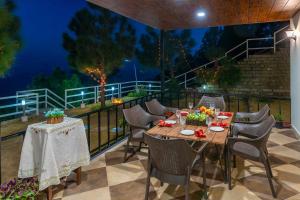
170,121
222,117
187,132
216,128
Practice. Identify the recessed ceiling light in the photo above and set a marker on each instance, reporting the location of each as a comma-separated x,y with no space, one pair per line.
200,14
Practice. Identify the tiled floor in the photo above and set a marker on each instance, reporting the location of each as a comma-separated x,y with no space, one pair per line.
107,178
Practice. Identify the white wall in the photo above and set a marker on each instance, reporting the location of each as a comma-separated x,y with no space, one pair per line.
295,73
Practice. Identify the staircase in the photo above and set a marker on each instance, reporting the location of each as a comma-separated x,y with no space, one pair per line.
267,74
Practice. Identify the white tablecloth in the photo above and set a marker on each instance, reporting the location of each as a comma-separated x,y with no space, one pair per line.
52,151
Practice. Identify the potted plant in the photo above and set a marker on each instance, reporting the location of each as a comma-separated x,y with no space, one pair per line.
55,116
279,120
17,189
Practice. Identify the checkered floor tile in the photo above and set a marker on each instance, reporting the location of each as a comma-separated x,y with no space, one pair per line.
108,178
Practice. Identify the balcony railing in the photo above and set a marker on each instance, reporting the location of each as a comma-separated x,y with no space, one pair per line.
106,126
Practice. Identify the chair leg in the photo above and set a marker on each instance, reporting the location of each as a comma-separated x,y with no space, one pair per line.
126,149
269,166
147,186
234,161
229,169
268,172
187,185
204,172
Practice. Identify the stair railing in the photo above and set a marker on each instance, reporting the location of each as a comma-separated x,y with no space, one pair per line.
243,48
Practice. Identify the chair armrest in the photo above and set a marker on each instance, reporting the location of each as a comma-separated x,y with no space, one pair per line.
138,126
243,129
154,118
242,115
254,142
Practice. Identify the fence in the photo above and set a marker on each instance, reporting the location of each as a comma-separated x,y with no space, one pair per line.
106,126
75,96
19,104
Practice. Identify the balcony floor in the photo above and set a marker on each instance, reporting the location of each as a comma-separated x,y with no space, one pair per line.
107,178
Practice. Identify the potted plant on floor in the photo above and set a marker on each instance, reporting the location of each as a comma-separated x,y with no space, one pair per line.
279,120
17,189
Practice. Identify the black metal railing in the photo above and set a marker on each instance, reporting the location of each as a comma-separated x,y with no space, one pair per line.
106,126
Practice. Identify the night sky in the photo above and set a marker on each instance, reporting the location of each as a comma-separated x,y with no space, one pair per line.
43,22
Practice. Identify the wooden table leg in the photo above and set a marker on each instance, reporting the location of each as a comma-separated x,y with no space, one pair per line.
78,175
49,193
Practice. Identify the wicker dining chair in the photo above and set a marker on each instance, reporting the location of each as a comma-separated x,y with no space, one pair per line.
156,108
252,148
253,118
172,160
219,102
138,121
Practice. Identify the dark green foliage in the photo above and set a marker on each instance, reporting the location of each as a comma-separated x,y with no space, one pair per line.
58,81
178,45
98,37
9,35
229,75
140,92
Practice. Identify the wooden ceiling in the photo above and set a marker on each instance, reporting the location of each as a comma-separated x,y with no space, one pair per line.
174,14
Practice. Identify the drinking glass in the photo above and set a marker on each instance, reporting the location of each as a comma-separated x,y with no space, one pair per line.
191,105
208,123
212,106
217,112
182,120
178,113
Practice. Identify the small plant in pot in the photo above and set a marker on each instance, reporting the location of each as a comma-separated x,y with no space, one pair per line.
18,189
279,120
55,116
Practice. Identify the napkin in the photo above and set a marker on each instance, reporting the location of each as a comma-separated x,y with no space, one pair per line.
228,114
184,113
222,124
162,123
200,133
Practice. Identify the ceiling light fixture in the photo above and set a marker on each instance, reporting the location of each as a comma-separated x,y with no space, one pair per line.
201,14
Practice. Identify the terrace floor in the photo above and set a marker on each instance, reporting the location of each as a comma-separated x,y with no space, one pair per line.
108,178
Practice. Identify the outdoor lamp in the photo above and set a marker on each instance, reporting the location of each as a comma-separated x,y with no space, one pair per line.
204,87
112,92
291,34
82,105
24,118
150,88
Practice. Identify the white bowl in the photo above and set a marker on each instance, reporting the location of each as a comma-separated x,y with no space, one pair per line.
216,128
187,132
170,121
222,117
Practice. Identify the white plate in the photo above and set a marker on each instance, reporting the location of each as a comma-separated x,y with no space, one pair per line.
170,121
187,132
216,128
223,117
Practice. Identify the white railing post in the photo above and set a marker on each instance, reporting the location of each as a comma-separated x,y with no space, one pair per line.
46,98
37,104
120,90
95,94
247,48
185,80
66,100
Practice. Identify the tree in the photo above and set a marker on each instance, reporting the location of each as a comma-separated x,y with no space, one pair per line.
98,42
177,46
10,41
58,81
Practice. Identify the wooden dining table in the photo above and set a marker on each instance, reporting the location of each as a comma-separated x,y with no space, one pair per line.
219,139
